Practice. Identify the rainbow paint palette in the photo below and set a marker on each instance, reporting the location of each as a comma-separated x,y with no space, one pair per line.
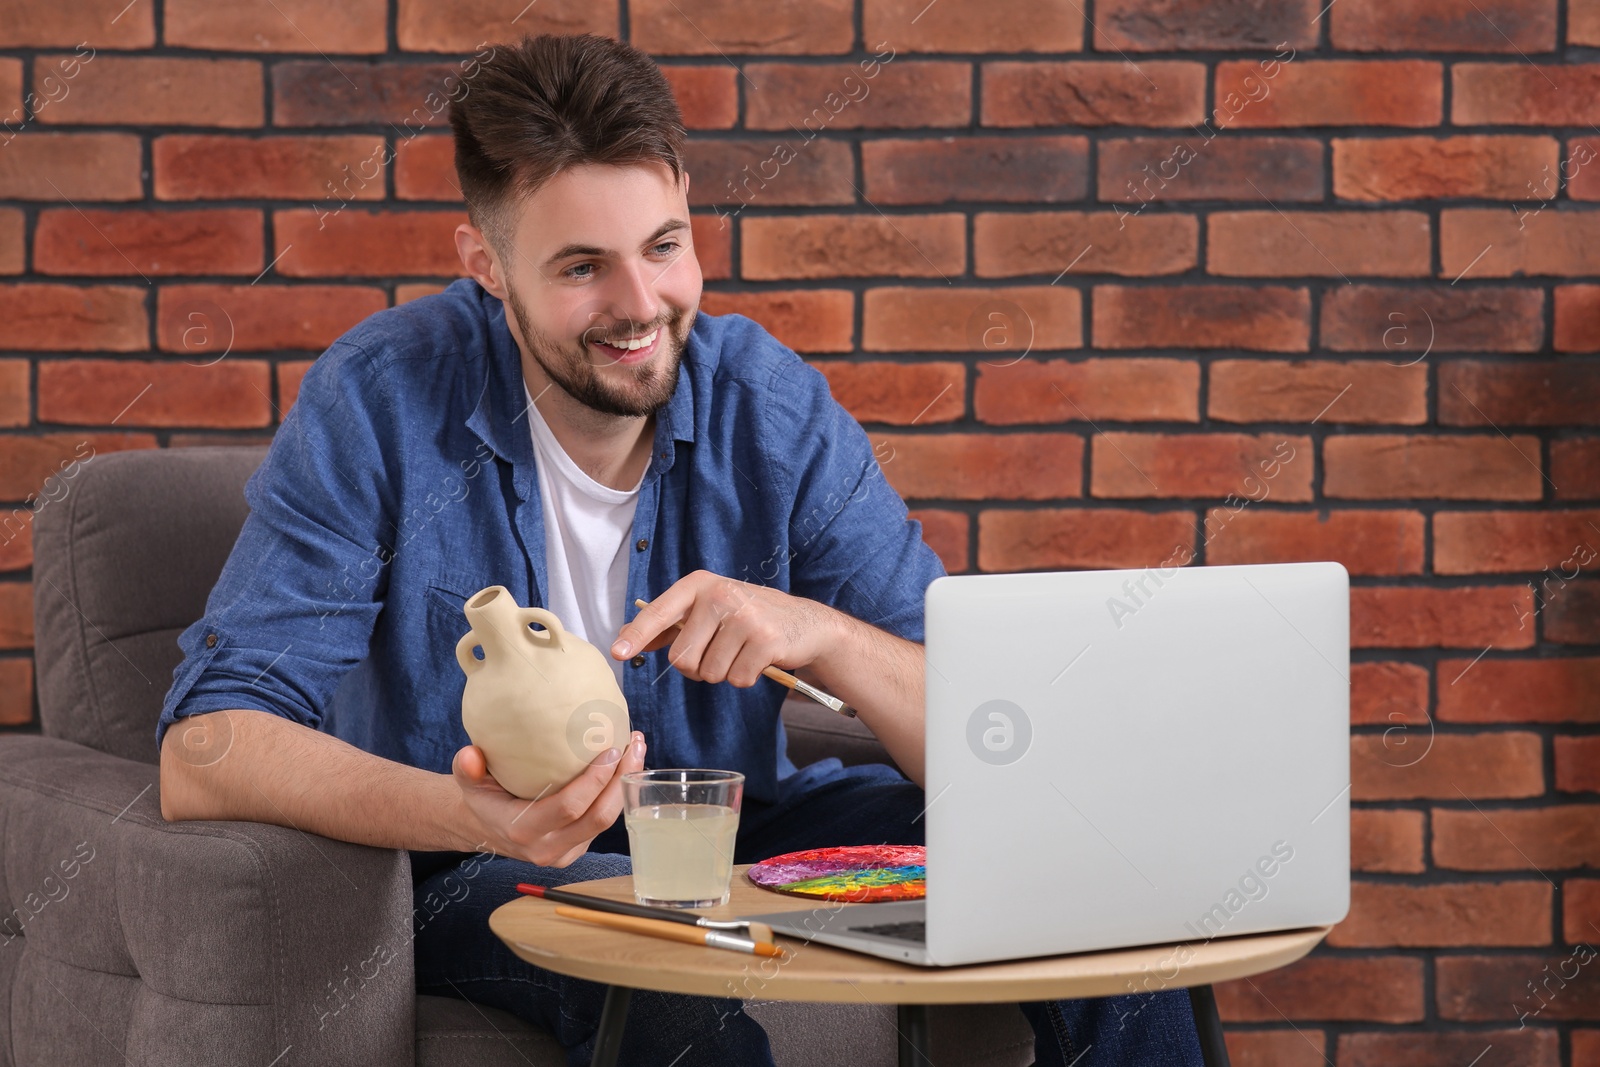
853,873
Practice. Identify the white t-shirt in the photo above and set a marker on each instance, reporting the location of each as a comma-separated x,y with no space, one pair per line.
587,527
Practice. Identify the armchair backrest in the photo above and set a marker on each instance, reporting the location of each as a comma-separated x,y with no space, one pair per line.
123,563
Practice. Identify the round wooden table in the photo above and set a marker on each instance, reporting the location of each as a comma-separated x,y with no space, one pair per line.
811,971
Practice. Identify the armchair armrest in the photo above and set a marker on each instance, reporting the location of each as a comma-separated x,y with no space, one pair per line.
189,942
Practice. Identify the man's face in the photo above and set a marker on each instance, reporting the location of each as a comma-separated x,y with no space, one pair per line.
603,284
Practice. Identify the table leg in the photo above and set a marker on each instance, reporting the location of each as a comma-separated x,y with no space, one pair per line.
1208,1024
613,1015
915,1047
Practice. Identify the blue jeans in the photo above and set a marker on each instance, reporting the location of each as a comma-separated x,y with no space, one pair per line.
458,956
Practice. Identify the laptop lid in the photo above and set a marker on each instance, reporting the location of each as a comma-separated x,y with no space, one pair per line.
1119,758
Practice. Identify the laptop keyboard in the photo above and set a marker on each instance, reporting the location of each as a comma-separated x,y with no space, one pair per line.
915,930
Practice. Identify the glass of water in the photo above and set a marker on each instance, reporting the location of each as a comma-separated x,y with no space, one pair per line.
681,825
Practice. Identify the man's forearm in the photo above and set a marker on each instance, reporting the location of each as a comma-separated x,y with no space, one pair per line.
882,677
258,767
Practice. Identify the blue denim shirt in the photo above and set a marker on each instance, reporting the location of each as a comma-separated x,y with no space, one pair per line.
403,481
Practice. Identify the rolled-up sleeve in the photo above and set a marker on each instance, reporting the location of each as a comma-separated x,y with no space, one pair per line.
297,601
853,543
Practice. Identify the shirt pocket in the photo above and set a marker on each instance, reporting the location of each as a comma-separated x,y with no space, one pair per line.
444,598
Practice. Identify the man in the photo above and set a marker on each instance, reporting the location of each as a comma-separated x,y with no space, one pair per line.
564,423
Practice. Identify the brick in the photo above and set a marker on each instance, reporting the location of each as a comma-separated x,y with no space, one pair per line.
406,292
16,692
1031,170
1210,167
1394,466
1183,25
1275,1048
1387,842
1211,465
1007,322
11,113
16,538
160,91
1484,166
102,23
1578,771
1396,766
946,533
1013,466
71,166
726,26
1577,326
1384,915
223,167
1371,989
1524,94
1576,171
1583,22
1366,542
1548,242
713,246
1405,323
775,172
14,391
1417,617
1264,318
288,376
1057,242
1428,26
1580,917
72,317
204,322
1277,244
361,243
1554,837
1341,392
1529,1047
16,615
1519,690
1527,989
708,97
28,460
464,25
999,26
407,96
807,320
277,25
806,97
425,168
230,393
1331,92
1071,538
852,246
898,393
1552,393
1095,93
1571,610
1389,694
127,242
1123,389
11,241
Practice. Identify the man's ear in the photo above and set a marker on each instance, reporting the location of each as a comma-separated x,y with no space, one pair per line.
478,259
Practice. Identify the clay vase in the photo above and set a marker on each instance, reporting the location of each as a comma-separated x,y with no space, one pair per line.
540,704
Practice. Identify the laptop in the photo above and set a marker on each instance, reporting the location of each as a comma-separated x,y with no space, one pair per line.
1122,758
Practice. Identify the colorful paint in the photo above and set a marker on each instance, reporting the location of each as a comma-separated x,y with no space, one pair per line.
854,873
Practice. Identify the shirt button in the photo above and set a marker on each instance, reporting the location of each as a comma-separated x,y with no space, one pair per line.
637,661
664,455
643,543
211,640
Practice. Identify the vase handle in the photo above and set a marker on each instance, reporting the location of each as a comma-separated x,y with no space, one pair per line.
469,662
555,632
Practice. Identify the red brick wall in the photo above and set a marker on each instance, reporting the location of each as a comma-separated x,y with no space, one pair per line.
1114,282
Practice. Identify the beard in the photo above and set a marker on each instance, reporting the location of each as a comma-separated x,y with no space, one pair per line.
575,367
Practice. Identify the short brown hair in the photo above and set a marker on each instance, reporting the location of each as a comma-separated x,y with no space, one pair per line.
552,102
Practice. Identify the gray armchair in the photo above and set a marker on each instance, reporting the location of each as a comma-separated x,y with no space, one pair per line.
128,939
